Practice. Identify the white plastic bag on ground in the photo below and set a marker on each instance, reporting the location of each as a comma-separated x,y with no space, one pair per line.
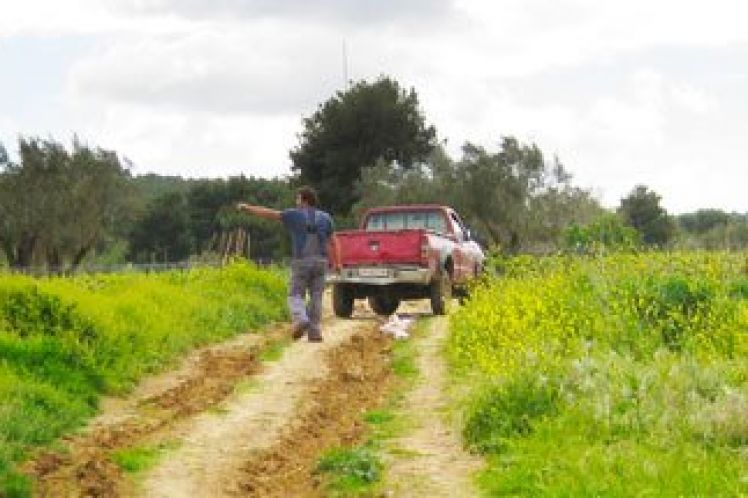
397,327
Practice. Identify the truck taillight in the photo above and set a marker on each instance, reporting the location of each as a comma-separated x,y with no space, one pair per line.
424,250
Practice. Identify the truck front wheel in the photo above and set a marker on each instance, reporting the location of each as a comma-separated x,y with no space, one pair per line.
384,305
342,300
441,293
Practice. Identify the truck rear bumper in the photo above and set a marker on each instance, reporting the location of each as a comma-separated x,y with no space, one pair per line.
381,276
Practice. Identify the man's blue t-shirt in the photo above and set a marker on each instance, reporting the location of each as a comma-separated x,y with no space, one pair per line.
303,223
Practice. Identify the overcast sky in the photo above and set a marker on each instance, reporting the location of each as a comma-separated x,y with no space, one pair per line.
630,92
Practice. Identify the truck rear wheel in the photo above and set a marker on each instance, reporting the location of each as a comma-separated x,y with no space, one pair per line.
384,305
441,293
342,300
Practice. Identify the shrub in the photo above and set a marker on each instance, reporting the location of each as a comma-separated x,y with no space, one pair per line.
508,410
66,341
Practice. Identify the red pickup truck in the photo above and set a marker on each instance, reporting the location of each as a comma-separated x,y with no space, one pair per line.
402,253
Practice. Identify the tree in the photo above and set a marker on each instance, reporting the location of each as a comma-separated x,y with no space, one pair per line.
199,218
430,182
352,131
163,233
703,220
641,210
56,205
607,232
511,198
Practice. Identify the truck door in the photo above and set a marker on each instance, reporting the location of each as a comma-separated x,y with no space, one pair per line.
460,258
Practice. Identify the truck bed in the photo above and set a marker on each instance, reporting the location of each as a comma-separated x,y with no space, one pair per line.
374,248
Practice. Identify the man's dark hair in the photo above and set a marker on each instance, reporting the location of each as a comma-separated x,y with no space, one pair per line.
308,195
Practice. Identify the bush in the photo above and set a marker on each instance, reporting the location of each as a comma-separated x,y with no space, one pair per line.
66,341
617,375
508,410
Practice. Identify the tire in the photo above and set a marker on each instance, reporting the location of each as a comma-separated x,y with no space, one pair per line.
384,305
441,293
342,301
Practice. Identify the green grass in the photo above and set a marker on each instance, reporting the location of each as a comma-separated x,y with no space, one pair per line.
358,471
404,352
274,350
140,458
350,471
613,376
64,342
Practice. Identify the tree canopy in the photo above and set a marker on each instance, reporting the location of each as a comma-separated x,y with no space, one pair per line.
512,198
354,129
55,205
641,210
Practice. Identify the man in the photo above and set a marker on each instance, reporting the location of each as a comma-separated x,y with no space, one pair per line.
312,238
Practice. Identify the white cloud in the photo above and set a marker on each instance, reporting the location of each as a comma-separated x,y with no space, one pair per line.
214,71
214,88
177,143
358,12
694,99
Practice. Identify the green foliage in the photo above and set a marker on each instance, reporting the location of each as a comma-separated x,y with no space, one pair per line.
378,417
739,289
670,305
190,219
404,360
512,198
56,205
136,459
13,484
274,350
354,129
713,229
703,220
508,410
140,458
65,342
641,210
615,375
163,233
606,233
352,470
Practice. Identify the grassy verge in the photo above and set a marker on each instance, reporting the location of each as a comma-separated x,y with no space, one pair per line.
617,376
66,341
358,471
274,350
141,458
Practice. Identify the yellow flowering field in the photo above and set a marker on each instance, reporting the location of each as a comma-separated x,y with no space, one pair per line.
617,375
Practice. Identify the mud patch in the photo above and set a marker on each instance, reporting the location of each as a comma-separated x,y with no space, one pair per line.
86,468
360,377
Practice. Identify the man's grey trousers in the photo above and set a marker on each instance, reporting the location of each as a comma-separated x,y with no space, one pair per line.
307,276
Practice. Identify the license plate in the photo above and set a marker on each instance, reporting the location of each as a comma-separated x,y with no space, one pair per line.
373,272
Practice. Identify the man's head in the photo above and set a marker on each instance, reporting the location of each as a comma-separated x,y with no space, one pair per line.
306,197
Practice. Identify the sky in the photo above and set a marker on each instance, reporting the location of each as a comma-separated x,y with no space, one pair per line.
651,92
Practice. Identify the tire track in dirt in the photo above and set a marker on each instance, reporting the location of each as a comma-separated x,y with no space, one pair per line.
206,377
429,461
360,377
266,442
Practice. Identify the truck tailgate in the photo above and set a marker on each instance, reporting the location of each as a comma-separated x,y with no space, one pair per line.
360,247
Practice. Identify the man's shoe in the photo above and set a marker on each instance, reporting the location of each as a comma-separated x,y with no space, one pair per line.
315,338
298,330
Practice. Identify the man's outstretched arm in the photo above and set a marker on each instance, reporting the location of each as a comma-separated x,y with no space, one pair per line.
263,212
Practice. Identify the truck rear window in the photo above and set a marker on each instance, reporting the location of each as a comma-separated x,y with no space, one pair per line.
428,220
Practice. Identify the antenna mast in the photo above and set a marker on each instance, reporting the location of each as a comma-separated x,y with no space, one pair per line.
345,65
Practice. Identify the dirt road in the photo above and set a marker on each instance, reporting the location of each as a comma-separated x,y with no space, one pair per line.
429,461
266,441
235,425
